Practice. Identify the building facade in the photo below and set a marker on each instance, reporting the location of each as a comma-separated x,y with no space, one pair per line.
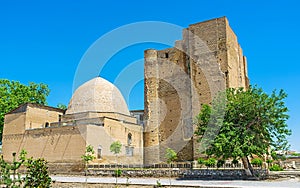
178,81
97,115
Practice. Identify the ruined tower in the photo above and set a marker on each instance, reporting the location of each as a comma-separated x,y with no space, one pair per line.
178,80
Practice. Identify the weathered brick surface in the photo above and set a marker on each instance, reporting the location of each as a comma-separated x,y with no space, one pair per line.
61,139
178,80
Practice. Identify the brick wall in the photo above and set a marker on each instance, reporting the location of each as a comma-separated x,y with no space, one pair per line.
178,80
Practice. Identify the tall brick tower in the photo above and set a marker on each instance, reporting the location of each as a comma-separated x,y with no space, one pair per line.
178,80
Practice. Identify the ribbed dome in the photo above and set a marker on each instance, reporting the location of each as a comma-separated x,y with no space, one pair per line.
97,95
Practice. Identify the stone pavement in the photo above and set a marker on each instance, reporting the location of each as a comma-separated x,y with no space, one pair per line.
285,183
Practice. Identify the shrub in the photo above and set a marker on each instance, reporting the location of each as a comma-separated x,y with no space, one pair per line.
269,161
87,157
276,167
9,171
235,162
296,154
158,184
256,162
37,173
220,163
274,155
211,162
282,157
118,172
201,161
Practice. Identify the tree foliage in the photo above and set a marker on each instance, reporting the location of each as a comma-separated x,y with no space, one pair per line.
13,94
88,156
36,174
275,167
253,121
115,147
9,174
220,163
171,155
210,162
62,106
257,162
201,161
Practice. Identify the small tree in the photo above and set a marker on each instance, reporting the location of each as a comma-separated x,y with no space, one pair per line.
201,162
257,162
115,148
171,156
274,155
61,106
37,173
211,162
235,163
269,162
88,156
275,167
9,175
220,163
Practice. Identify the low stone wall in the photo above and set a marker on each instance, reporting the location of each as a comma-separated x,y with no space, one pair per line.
102,185
291,163
224,174
283,175
183,173
207,174
66,168
95,185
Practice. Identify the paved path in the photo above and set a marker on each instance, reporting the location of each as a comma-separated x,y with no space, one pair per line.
290,183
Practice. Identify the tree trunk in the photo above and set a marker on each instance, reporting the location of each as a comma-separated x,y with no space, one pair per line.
247,166
117,172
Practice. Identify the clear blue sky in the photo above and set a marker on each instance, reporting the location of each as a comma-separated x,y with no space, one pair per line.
43,41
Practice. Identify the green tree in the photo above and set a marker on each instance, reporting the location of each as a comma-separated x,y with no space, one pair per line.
201,161
235,163
88,156
115,148
37,174
274,155
257,162
9,171
275,167
269,162
61,106
210,162
220,163
13,94
171,156
252,123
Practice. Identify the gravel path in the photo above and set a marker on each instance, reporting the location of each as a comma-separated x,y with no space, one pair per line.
288,183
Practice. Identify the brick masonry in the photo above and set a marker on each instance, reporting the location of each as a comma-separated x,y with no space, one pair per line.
178,80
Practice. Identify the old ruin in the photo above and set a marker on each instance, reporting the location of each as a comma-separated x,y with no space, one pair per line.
178,80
